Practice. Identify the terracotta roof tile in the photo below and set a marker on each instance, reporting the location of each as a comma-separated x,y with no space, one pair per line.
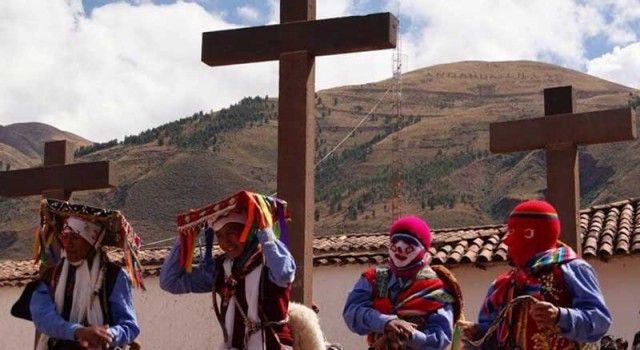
606,230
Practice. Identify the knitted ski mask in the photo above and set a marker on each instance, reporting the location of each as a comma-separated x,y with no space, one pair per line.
410,238
533,227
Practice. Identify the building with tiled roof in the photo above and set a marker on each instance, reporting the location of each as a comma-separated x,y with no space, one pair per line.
607,230
610,237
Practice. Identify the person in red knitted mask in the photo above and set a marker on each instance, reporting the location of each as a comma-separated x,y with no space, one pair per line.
533,227
548,299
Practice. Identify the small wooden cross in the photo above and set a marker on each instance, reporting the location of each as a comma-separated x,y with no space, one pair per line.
56,179
559,134
295,42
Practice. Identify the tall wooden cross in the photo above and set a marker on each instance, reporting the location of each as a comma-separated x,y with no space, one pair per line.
295,42
559,134
57,178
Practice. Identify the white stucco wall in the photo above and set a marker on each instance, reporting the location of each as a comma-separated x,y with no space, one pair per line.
619,280
331,285
14,333
187,322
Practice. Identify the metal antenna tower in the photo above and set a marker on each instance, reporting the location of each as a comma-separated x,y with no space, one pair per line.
397,162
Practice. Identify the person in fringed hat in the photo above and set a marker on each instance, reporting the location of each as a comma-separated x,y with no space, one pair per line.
550,299
251,279
85,301
406,305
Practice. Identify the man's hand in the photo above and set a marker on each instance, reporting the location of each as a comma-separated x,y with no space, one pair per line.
545,314
94,336
400,328
469,329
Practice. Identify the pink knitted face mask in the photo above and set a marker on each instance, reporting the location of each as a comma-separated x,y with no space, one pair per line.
402,253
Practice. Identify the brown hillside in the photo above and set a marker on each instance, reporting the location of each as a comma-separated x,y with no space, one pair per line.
450,178
29,138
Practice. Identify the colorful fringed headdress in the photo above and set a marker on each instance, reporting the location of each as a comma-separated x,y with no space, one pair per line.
261,212
118,233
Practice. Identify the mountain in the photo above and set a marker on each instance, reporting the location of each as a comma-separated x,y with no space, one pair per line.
449,175
21,144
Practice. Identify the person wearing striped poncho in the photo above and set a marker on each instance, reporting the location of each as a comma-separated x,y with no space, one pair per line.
549,299
405,305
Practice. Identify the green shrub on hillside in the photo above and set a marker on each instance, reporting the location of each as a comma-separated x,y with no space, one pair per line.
201,130
83,150
634,100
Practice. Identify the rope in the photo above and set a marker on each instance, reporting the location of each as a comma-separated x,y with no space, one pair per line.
494,325
356,127
335,148
158,242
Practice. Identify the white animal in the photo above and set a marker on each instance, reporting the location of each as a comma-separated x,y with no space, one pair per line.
305,327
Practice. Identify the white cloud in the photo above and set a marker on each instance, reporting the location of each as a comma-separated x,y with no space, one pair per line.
248,14
132,67
500,30
333,8
622,65
124,69
620,16
324,9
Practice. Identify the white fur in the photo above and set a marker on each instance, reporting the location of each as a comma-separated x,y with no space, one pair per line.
305,327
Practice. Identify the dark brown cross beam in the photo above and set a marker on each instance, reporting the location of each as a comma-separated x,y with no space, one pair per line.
559,134
295,42
56,178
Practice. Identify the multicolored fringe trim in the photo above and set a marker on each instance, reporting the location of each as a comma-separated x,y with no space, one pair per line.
119,234
262,212
544,259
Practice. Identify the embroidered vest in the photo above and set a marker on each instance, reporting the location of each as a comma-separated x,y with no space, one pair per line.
523,332
273,305
51,278
422,296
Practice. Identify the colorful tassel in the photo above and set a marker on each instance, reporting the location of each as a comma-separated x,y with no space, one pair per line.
262,212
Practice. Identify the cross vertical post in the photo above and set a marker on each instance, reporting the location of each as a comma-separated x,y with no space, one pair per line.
296,134
563,173
295,42
559,133
57,153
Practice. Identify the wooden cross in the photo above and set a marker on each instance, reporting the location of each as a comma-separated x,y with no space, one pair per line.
559,133
295,42
57,178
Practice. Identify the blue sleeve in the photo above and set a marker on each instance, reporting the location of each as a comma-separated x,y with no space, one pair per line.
46,318
175,280
279,262
124,325
488,311
359,314
437,331
588,318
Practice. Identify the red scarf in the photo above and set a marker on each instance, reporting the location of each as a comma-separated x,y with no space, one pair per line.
419,297
523,281
524,278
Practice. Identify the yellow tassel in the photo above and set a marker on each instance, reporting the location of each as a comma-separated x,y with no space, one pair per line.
266,213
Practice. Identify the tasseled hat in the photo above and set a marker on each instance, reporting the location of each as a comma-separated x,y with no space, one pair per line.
100,227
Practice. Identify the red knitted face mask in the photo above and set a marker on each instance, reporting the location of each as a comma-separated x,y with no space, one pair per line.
533,228
521,245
